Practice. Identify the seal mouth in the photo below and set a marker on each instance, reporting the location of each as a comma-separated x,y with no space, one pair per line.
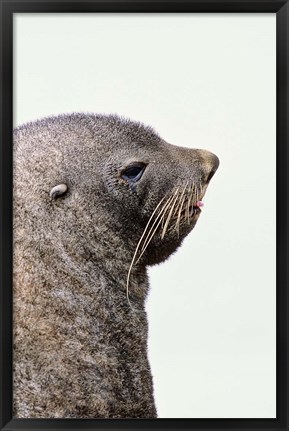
196,208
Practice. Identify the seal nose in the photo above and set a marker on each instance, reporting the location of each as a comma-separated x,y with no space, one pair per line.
215,165
211,164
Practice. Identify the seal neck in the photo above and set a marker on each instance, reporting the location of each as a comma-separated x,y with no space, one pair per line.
101,268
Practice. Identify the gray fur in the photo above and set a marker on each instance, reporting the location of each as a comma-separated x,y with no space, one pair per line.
80,349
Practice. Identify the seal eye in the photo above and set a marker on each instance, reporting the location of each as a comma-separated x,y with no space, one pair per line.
133,172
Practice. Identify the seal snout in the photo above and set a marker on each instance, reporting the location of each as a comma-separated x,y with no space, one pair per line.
210,165
215,164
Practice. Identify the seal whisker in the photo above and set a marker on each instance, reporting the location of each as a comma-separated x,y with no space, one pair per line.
181,196
191,200
176,212
200,191
160,218
170,215
177,205
173,200
196,194
137,248
182,200
148,239
188,204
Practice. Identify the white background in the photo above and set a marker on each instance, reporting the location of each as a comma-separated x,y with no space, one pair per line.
203,81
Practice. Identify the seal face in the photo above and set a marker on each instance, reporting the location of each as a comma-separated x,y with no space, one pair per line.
96,200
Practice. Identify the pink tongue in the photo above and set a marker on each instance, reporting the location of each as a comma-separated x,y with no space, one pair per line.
200,204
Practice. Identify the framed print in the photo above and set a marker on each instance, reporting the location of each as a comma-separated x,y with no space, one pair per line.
144,215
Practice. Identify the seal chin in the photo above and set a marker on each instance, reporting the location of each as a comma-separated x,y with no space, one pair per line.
160,249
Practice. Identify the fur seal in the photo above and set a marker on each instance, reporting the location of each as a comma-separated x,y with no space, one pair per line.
96,200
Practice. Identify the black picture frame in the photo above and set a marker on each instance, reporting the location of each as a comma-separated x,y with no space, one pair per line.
281,9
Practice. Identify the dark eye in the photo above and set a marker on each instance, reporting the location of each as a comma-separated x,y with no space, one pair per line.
133,173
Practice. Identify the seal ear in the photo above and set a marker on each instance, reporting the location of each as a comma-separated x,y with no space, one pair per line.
58,190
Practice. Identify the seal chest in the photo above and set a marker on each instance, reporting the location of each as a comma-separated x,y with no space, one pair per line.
96,200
